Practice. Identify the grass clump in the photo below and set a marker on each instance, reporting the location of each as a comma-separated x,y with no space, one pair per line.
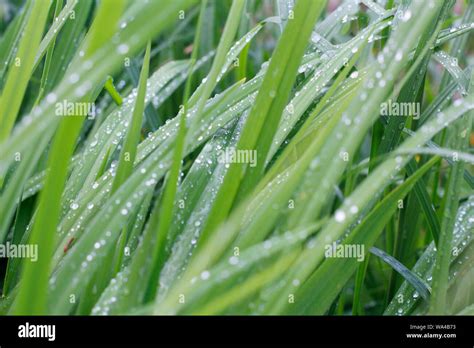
237,157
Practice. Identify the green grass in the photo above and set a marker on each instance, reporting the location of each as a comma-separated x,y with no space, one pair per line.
134,209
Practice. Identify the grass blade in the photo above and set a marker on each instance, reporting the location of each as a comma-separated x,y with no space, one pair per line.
20,73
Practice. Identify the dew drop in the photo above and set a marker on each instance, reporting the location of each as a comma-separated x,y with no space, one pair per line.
205,275
340,216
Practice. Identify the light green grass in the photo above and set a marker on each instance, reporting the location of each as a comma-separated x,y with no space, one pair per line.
134,211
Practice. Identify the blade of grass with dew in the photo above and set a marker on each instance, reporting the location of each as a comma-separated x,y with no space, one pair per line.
408,275
14,189
244,26
29,190
65,48
19,225
19,74
468,178
167,201
284,8
338,136
457,46
441,270
405,300
277,84
334,20
460,292
19,179
86,205
444,152
152,117
10,40
44,229
49,56
452,67
60,19
220,62
113,299
18,261
412,92
129,148
455,32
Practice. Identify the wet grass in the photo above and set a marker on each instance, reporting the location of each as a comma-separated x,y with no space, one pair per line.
215,155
